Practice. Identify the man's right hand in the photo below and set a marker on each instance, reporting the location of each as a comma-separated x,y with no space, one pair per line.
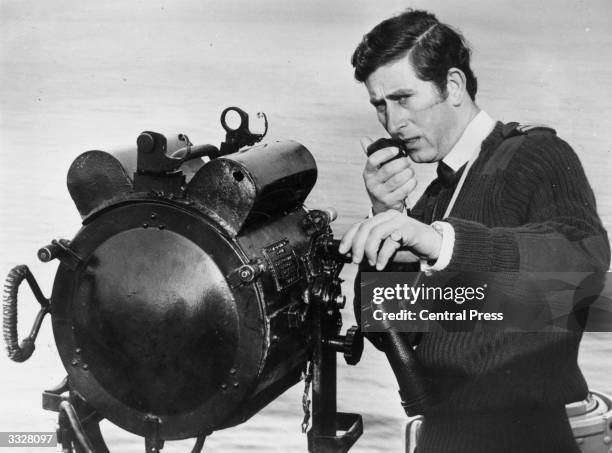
387,185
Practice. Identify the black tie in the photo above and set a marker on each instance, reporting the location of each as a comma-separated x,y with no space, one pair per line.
447,176
447,179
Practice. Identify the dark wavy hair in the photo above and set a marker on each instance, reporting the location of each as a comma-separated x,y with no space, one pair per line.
433,48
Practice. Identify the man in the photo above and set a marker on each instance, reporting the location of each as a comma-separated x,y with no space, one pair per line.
506,200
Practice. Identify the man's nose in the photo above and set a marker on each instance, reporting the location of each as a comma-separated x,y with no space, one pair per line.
396,119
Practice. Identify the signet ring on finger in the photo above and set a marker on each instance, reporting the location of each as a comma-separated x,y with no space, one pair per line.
396,236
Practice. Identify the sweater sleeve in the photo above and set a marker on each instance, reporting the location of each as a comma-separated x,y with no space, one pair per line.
545,186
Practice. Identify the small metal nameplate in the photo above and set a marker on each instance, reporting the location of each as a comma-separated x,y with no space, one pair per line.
283,263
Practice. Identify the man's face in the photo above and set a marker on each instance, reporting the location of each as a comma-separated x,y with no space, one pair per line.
412,110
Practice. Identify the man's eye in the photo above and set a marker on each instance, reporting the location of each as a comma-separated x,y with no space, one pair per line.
403,100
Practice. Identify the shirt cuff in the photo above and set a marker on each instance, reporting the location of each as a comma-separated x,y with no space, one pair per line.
446,249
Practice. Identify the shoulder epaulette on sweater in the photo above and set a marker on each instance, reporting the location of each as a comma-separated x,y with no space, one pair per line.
516,129
514,135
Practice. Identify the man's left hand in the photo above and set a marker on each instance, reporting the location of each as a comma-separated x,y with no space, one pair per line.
381,236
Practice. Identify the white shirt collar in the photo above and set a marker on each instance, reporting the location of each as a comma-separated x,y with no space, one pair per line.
474,134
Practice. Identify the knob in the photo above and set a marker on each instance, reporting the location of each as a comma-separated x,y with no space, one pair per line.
351,345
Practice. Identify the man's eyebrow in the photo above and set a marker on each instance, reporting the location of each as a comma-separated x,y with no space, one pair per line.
395,95
400,93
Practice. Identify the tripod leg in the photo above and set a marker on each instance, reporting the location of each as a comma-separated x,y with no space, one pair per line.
92,430
197,448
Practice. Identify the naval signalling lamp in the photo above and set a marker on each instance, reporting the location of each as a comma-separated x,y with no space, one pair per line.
194,294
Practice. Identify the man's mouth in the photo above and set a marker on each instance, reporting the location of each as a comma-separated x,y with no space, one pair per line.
410,143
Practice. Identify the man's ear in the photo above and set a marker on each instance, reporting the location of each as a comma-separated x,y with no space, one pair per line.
456,86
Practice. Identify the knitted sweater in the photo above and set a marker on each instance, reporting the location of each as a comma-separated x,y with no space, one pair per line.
527,209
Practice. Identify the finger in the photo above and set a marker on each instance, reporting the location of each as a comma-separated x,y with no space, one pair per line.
402,191
379,233
381,156
400,179
362,233
394,167
347,240
397,198
359,240
387,250
365,143
373,176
